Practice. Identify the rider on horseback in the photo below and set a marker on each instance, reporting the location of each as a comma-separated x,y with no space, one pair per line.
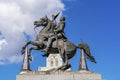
59,31
58,34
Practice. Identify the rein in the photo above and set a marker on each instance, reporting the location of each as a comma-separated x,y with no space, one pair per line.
35,28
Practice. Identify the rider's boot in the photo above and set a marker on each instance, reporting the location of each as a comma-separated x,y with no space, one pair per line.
48,45
46,49
46,52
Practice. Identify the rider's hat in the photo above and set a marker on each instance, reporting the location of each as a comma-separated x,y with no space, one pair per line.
62,18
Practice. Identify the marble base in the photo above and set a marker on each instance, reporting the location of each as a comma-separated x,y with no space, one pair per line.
59,75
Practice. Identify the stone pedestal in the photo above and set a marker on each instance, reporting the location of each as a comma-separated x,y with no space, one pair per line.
66,75
52,61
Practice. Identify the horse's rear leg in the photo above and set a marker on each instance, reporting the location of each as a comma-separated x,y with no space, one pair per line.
32,48
66,64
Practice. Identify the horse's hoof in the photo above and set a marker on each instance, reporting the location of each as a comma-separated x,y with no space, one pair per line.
22,51
69,65
30,58
23,47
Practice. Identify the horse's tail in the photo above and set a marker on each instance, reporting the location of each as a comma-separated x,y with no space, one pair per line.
86,50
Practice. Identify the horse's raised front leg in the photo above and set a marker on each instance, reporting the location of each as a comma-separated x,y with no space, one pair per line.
35,43
32,48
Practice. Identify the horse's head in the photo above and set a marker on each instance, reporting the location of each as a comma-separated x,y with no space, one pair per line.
42,22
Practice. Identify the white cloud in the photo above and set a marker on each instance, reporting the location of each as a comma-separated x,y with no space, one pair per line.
16,17
3,42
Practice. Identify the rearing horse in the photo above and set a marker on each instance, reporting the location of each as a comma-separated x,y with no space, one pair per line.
66,49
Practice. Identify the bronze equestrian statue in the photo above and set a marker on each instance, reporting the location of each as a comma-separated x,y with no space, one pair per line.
51,39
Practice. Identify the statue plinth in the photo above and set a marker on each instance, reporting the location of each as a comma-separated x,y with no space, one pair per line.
59,75
52,61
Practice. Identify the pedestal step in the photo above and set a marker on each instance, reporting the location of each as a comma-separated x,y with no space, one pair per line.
67,75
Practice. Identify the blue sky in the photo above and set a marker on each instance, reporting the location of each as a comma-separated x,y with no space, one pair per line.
96,22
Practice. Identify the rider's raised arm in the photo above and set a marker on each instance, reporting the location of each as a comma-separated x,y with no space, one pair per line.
61,25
